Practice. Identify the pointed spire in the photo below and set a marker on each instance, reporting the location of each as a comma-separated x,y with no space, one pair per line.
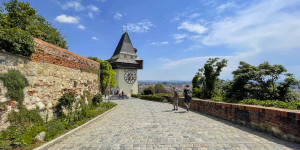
125,46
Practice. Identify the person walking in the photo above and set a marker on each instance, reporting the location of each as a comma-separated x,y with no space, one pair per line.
175,99
187,97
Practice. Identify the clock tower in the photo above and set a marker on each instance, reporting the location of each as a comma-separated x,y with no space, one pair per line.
125,63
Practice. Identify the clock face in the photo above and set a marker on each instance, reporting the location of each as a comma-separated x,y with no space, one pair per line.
130,77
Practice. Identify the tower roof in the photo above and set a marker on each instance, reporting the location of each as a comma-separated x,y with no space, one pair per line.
125,46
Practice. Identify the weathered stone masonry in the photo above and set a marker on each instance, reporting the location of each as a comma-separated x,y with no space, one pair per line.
51,71
282,123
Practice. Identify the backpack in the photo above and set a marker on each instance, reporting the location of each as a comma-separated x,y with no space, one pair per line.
189,94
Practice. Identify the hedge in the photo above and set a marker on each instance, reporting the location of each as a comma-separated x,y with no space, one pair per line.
272,103
135,95
154,98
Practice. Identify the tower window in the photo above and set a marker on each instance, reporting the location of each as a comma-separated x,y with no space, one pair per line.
125,56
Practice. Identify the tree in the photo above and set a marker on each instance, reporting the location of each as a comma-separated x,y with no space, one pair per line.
159,88
267,75
237,88
148,91
212,70
259,82
284,88
206,79
107,76
19,24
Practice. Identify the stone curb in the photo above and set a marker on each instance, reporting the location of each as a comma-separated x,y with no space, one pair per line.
60,138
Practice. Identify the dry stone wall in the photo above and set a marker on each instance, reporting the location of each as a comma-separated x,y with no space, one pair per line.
51,71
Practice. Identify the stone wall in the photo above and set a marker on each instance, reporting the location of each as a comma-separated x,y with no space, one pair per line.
51,71
282,123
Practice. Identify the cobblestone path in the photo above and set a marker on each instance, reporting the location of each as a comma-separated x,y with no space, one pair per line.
140,124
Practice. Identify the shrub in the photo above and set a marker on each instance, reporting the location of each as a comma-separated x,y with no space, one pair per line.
24,116
154,98
148,91
272,103
217,99
164,94
196,92
135,95
97,99
15,83
67,101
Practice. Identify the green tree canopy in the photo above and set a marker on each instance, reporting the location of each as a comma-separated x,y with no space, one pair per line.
159,88
19,24
260,82
207,77
107,76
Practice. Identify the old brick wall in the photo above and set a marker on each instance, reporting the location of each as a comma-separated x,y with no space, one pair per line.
51,71
282,123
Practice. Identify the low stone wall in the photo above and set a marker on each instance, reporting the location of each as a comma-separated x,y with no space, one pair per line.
282,123
51,71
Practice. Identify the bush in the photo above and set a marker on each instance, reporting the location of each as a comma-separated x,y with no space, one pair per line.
217,99
196,92
97,99
272,103
15,83
25,116
148,91
164,94
135,95
67,100
154,98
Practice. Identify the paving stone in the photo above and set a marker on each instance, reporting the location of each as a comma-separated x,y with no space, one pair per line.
142,125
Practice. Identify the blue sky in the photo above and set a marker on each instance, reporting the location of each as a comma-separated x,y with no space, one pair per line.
176,37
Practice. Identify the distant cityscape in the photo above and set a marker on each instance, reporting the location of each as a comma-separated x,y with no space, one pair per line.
179,85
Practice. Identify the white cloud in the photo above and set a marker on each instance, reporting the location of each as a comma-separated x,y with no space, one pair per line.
225,6
266,27
179,37
67,19
194,15
164,60
93,8
95,38
160,43
175,64
81,27
192,27
118,16
194,48
255,34
91,15
76,5
143,26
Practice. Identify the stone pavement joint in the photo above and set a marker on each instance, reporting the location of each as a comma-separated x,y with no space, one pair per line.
141,125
